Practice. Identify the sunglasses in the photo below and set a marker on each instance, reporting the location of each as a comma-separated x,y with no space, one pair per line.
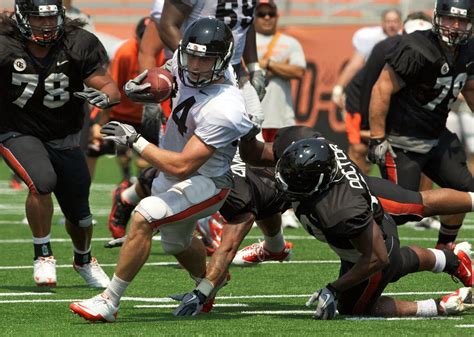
264,14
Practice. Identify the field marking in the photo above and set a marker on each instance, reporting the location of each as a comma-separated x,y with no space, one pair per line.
279,312
436,318
172,306
465,326
26,294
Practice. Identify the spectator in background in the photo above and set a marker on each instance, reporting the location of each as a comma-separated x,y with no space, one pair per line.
282,58
363,41
75,13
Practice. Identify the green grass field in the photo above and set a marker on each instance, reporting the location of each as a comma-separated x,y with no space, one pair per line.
267,300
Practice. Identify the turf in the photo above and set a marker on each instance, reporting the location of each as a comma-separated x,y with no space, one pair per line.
279,289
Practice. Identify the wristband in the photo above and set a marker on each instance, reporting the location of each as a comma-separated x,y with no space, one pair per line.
331,288
139,144
205,287
253,67
338,90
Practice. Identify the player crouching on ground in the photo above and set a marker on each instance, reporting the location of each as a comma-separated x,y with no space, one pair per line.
194,161
335,205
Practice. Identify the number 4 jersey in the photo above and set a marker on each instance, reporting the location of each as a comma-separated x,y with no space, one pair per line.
37,93
431,80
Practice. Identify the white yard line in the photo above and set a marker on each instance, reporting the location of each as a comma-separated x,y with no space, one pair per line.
465,326
172,306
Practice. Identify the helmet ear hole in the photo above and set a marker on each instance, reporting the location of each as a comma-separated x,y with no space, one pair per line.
206,37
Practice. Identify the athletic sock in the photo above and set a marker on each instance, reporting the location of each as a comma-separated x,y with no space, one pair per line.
448,233
274,244
82,257
42,246
130,196
440,260
115,289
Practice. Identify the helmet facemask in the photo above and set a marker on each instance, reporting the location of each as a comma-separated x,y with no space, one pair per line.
452,36
201,78
40,33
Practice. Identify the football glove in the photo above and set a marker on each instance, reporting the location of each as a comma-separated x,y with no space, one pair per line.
191,303
327,303
378,148
124,135
259,82
337,95
95,97
137,91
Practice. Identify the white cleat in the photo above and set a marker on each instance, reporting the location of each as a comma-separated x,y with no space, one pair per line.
98,308
458,301
93,274
289,220
44,272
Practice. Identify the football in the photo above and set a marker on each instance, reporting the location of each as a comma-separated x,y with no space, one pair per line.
162,83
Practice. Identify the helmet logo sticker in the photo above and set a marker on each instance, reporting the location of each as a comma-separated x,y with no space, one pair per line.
19,65
445,69
460,11
196,47
47,9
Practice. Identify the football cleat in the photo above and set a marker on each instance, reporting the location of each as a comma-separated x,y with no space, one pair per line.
93,274
210,229
121,212
464,271
44,272
289,220
457,302
257,253
116,242
96,309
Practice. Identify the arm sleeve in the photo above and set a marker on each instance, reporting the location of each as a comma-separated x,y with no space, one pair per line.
91,52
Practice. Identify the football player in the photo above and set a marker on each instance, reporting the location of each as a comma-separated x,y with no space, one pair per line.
201,138
423,76
255,196
45,61
334,203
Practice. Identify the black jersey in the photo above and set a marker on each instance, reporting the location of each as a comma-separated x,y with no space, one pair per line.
254,191
37,94
343,211
359,90
431,80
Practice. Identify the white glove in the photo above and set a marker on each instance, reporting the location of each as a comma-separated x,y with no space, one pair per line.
338,95
191,303
95,97
378,148
257,79
137,91
327,303
124,135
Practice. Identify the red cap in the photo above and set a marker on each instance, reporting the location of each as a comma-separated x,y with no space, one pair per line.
269,3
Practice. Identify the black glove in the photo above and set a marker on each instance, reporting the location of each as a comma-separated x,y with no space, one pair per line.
137,92
191,303
120,134
95,97
259,82
327,303
378,148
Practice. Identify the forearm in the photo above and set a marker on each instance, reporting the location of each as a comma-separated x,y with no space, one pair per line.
167,161
150,46
110,88
378,109
250,51
284,70
256,153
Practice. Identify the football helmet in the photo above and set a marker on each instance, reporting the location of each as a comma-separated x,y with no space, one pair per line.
460,9
205,38
41,34
307,167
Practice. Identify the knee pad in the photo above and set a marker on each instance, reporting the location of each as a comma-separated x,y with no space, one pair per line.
197,189
174,247
146,179
153,209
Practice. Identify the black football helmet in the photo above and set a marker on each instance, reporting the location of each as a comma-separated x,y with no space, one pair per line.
307,167
206,37
463,9
43,35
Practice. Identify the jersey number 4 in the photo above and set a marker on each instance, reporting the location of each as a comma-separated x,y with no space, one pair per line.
184,106
54,85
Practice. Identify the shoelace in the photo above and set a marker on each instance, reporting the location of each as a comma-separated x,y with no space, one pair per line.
258,249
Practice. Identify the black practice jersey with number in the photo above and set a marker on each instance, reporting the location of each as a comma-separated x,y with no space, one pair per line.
431,79
343,211
37,97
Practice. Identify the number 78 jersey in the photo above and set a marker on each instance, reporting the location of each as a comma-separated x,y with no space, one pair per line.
37,94
237,14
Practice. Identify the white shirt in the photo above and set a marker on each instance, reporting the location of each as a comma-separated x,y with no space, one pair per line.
157,9
216,114
277,104
366,38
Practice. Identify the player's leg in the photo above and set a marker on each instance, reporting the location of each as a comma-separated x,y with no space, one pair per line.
72,193
447,167
29,159
405,169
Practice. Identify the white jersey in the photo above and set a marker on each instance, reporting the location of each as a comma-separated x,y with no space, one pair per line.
237,14
216,114
366,38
